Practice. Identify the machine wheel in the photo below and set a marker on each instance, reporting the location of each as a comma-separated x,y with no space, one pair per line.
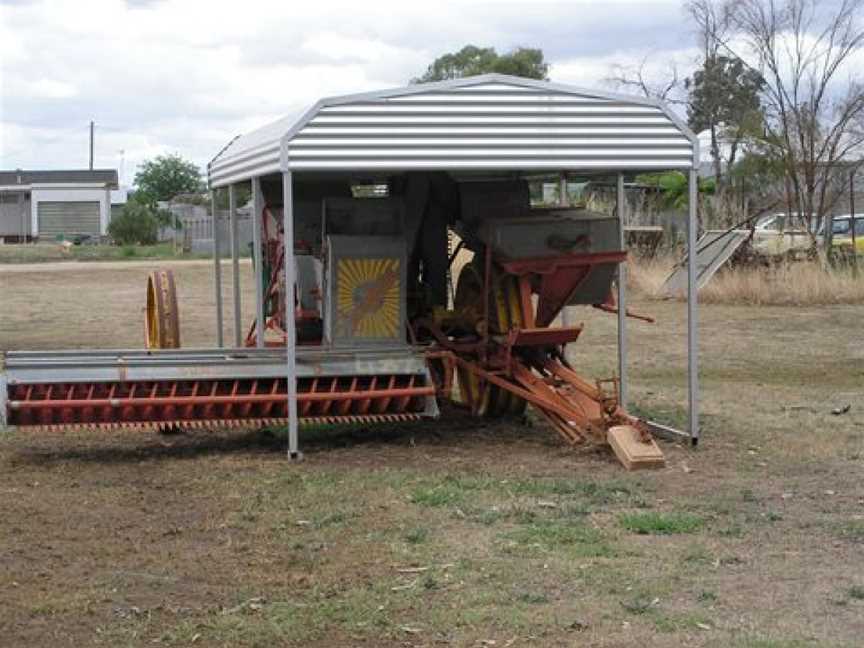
161,318
505,313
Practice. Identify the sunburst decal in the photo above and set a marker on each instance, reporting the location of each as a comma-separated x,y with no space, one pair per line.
368,297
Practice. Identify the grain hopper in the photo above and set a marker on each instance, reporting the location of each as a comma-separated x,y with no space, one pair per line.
362,209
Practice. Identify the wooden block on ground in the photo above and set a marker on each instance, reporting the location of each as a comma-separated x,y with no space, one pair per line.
632,451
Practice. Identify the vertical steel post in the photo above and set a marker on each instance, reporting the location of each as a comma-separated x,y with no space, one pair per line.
563,198
258,264
290,332
563,202
235,264
217,271
692,310
622,298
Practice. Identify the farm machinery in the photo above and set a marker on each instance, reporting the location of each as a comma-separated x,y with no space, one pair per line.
408,290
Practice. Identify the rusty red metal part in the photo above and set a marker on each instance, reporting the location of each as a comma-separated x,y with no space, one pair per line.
555,279
213,402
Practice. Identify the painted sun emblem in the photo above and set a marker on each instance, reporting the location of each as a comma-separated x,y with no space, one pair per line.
368,297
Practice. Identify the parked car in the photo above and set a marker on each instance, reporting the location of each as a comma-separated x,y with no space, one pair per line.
842,229
777,234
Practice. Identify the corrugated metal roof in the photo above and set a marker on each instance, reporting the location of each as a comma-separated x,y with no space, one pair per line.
489,122
70,176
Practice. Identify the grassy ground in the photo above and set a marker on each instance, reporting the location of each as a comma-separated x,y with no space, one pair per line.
453,533
43,252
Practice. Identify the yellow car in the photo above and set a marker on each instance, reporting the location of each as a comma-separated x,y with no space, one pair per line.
842,232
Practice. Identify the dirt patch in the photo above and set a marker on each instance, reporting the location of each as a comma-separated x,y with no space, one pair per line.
89,305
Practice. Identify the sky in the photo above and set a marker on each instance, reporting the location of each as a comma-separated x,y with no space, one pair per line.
183,76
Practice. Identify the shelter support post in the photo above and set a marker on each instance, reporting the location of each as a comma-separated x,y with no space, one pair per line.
258,260
692,311
290,332
622,298
217,270
563,201
235,263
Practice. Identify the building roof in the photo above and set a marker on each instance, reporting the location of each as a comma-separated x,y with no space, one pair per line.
488,122
67,176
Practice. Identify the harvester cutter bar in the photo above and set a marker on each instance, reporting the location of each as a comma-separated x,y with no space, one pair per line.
213,389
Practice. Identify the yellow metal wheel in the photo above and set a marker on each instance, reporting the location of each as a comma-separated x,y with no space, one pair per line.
504,313
161,317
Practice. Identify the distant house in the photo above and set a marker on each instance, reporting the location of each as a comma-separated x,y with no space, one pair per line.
47,204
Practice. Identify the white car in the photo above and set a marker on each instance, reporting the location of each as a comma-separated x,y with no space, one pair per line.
777,234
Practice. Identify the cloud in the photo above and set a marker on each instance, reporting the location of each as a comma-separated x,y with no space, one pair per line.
187,75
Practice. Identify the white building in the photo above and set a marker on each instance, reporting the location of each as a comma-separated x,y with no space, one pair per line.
47,204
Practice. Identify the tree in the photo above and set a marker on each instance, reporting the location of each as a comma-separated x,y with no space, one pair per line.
165,177
664,87
674,187
137,224
725,100
471,60
813,94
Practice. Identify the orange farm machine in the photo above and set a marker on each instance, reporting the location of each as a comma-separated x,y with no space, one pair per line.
381,291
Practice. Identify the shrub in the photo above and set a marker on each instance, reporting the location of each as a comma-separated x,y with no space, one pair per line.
136,224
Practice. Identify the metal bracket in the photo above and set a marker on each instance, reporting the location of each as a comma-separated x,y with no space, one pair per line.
669,433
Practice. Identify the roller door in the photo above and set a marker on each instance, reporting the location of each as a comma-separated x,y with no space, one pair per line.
68,218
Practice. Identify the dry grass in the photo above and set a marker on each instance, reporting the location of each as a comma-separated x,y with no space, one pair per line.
66,305
785,284
788,284
645,276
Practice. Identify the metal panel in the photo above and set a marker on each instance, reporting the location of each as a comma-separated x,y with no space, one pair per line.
487,122
14,214
68,218
713,250
366,278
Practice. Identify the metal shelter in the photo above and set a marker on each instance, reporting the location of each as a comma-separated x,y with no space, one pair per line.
490,124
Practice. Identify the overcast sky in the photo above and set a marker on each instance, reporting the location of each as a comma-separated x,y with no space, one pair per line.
182,76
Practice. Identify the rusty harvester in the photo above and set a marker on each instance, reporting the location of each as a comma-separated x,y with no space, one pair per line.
496,350
409,287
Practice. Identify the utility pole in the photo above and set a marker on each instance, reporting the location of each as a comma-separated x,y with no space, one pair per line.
853,223
91,144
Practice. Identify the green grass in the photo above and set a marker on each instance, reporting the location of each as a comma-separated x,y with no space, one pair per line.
853,530
417,535
856,592
437,496
775,643
669,623
707,596
48,252
652,523
576,539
